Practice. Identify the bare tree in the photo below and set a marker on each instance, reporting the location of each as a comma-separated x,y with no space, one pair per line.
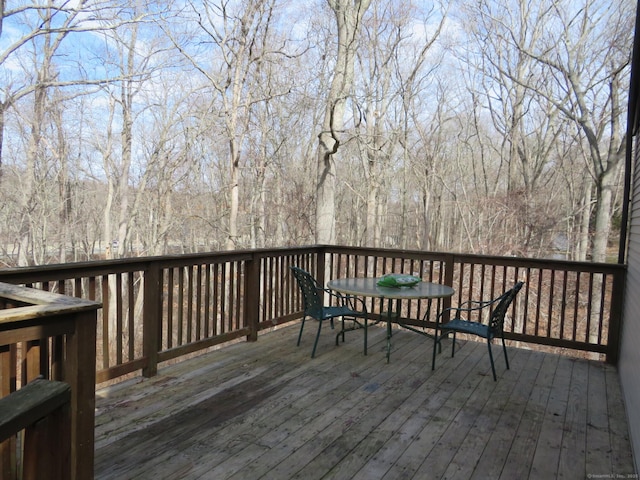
46,33
348,15
44,38
192,132
240,36
42,43
581,55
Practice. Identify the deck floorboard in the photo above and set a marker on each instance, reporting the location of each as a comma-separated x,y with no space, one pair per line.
267,410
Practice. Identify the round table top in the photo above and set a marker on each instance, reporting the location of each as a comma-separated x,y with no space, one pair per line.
368,287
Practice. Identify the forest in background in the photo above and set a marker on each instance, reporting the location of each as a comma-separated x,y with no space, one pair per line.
146,128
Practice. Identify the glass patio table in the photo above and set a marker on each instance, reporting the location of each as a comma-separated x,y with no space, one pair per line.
368,287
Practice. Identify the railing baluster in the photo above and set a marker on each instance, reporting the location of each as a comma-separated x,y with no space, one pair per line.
207,300
223,297
189,302
269,301
106,311
170,327
119,330
589,310
233,310
199,302
576,304
131,317
180,306
216,299
278,304
603,293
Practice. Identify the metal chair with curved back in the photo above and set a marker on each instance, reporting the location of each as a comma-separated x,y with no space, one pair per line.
313,298
493,329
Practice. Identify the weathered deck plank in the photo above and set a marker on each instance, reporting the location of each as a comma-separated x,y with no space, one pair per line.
574,429
521,449
547,454
618,427
267,410
598,443
497,424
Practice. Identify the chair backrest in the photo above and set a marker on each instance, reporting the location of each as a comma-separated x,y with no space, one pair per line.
496,321
311,292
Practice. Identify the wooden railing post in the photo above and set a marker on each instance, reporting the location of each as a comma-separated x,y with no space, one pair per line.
151,319
321,265
80,373
8,367
615,317
252,297
448,280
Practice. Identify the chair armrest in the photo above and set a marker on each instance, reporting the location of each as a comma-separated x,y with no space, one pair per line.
344,300
480,305
331,293
350,300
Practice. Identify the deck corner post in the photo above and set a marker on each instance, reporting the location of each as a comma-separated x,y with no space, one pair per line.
615,317
80,374
152,321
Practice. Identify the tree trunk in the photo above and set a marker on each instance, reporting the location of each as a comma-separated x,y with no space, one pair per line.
348,15
583,223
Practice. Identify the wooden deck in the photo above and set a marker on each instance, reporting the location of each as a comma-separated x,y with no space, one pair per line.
267,410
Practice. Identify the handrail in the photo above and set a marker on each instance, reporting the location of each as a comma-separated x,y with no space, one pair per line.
160,308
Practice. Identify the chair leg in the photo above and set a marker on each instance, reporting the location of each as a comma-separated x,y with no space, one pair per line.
493,368
453,344
301,327
436,341
366,329
315,344
504,349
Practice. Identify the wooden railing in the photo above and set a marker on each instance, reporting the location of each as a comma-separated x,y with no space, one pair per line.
49,336
159,308
42,409
572,305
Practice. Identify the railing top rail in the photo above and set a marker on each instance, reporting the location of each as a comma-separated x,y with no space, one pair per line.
523,262
65,271
38,303
122,265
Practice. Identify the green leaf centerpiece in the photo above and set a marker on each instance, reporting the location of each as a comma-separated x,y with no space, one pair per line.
397,280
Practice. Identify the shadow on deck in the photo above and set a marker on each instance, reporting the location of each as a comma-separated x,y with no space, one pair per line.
267,410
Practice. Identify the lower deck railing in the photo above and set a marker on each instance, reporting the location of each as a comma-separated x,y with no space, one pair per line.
47,384
42,412
159,308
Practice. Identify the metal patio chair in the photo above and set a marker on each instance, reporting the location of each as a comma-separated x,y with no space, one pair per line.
494,328
313,297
